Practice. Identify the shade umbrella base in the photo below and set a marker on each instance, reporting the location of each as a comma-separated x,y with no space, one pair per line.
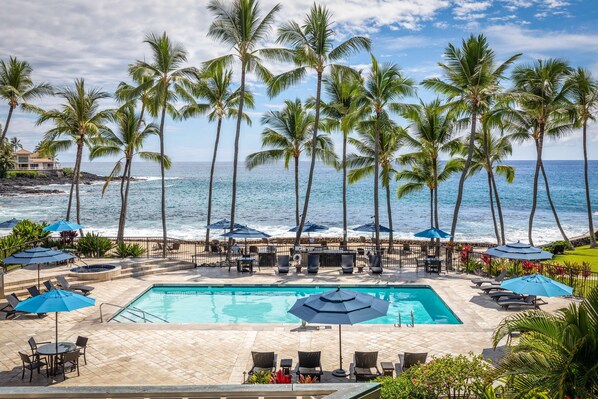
339,373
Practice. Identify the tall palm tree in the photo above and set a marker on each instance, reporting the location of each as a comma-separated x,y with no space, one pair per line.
165,72
210,93
343,111
558,351
79,122
288,134
127,93
584,95
242,26
472,78
312,48
541,90
126,143
378,137
384,86
17,88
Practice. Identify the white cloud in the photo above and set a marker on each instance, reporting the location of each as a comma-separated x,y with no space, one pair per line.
468,10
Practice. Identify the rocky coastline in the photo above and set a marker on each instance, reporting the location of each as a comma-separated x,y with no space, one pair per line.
22,185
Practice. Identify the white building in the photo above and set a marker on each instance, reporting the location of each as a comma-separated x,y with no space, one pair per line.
27,160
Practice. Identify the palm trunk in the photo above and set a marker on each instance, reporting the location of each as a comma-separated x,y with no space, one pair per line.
296,191
474,116
435,191
212,167
236,157
376,173
556,216
8,118
345,135
124,191
499,209
535,189
127,197
431,208
587,184
492,209
312,165
163,204
76,178
70,203
389,210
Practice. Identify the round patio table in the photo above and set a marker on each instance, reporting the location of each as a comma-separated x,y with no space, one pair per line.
52,350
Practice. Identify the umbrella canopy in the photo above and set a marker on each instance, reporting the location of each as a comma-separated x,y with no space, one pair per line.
519,251
37,256
536,284
371,228
433,233
339,307
9,224
55,301
245,232
63,225
310,228
223,224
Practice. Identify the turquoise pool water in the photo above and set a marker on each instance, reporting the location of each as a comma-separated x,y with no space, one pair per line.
269,304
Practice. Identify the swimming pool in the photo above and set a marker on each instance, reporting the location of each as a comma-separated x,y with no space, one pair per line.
269,304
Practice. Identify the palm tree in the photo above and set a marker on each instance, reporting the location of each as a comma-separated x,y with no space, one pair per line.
378,137
343,111
166,73
129,94
78,122
213,87
17,88
242,26
384,85
558,351
313,49
126,144
288,134
472,78
541,90
584,95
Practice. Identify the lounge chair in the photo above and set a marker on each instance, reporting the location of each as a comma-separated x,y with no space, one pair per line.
33,291
410,359
263,361
49,285
175,247
283,264
376,264
84,289
313,263
529,301
365,366
498,279
309,364
9,308
504,295
347,264
492,287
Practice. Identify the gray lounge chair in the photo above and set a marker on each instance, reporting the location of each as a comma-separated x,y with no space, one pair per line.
85,289
527,302
492,287
410,359
498,279
283,264
49,285
365,366
376,264
347,264
313,263
33,291
10,308
263,361
309,364
504,295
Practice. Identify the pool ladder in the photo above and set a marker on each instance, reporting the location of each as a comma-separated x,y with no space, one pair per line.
406,325
134,314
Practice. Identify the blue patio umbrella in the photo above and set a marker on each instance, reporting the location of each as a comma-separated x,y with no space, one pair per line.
433,233
9,224
371,228
37,256
310,228
339,307
223,224
536,284
245,233
55,301
519,251
63,225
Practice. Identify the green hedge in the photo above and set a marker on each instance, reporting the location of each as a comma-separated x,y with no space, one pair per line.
31,174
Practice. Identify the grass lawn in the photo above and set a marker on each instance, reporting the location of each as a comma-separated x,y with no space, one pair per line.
580,254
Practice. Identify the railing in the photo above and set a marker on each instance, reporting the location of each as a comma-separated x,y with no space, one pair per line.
132,310
282,391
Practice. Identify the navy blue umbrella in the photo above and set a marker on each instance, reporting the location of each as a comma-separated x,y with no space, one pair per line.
245,233
519,251
37,256
9,224
339,307
310,228
223,224
433,233
371,228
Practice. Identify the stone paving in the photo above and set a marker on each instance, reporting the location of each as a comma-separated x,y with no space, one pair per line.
180,354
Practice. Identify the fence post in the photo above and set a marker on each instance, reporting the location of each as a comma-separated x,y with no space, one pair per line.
147,252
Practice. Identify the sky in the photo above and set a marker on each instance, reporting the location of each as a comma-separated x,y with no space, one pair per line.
68,39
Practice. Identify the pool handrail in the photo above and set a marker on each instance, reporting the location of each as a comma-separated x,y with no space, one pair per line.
132,310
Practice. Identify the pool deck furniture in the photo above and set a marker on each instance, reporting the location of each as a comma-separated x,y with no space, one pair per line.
263,361
81,344
365,366
347,264
388,369
49,285
529,301
328,257
492,287
68,361
245,264
410,359
497,280
32,363
313,263
53,351
9,308
33,291
376,264
286,365
309,364
504,295
65,285
284,262
432,265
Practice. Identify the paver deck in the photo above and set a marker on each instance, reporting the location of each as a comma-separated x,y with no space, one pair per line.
179,354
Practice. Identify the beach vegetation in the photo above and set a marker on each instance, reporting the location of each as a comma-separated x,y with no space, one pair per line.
30,231
131,250
94,245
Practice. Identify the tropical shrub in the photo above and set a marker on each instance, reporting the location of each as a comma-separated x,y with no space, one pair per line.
124,250
403,387
259,377
31,174
68,172
94,245
557,247
68,237
30,231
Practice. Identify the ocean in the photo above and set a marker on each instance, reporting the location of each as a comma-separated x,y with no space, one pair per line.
265,201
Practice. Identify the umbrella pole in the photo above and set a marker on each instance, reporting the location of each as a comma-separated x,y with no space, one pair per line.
38,287
340,372
56,332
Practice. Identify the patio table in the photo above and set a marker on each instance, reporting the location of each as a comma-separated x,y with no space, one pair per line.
52,351
245,262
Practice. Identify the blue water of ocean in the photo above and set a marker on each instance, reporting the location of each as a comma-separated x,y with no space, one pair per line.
266,202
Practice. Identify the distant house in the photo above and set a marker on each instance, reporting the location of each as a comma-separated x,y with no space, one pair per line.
27,160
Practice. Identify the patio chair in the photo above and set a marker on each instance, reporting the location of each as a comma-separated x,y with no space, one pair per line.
32,363
9,308
309,364
529,301
419,264
376,264
49,285
157,246
313,263
33,291
263,361
283,262
33,344
498,279
253,249
81,344
175,247
70,361
361,251
410,359
364,366
347,264
406,249
84,289
434,266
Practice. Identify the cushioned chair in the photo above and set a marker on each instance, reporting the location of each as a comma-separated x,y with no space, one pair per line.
309,364
365,366
376,264
263,361
313,263
347,264
410,359
283,264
